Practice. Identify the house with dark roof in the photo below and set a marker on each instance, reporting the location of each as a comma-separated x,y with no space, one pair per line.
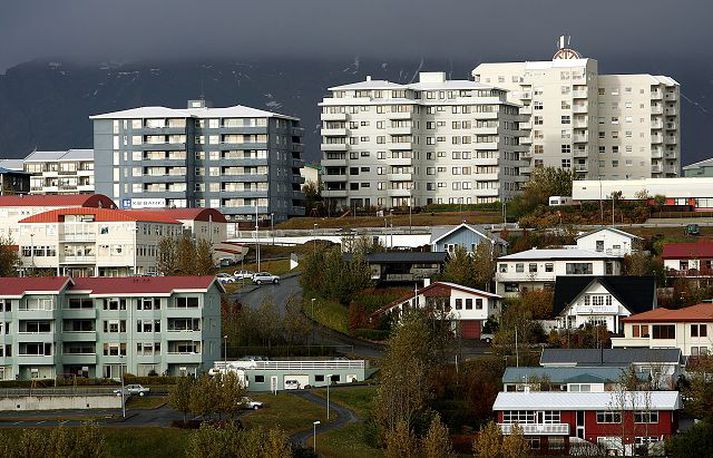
601,300
466,236
572,379
689,329
404,266
467,308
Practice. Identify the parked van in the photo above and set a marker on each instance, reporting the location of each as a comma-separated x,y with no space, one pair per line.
558,201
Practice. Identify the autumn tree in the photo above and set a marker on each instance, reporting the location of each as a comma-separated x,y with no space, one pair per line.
186,255
488,442
179,397
203,264
167,262
313,197
544,182
459,268
85,441
514,444
229,392
697,388
202,400
401,443
437,442
9,258
227,440
484,265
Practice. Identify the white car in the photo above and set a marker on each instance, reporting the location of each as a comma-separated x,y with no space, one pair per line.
225,278
265,277
250,404
133,389
243,274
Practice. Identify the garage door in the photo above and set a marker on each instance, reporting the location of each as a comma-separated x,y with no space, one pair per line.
470,329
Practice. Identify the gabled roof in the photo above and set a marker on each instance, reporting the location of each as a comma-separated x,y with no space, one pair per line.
637,294
702,312
194,214
19,286
554,254
685,250
74,154
441,232
610,229
564,400
563,375
609,356
436,289
100,215
4,170
70,200
237,111
12,164
99,286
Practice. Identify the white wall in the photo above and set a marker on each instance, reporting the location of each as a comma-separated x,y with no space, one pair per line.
611,240
109,401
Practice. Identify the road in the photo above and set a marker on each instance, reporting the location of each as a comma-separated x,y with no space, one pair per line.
343,416
162,416
253,295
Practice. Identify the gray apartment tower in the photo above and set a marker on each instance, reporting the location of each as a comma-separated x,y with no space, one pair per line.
235,159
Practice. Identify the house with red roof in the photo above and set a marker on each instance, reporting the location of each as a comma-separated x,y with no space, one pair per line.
690,329
100,327
94,241
15,208
467,308
692,260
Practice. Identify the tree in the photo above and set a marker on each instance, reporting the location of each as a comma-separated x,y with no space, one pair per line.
544,182
9,258
488,442
186,255
514,444
204,264
483,265
698,389
180,396
460,268
203,397
229,392
313,197
401,443
167,257
437,442
296,327
697,441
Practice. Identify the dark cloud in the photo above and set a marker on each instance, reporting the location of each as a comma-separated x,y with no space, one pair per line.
504,29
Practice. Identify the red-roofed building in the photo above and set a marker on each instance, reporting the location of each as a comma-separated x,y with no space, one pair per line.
689,259
91,327
205,223
15,208
88,241
688,328
468,308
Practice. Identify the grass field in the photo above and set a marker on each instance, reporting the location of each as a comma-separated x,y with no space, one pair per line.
147,402
286,411
417,219
328,313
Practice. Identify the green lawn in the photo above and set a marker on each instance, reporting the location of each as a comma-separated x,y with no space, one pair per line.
417,219
356,398
286,411
328,313
146,402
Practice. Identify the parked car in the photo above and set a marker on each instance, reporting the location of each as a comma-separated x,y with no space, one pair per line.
487,338
265,277
225,278
243,274
250,404
133,389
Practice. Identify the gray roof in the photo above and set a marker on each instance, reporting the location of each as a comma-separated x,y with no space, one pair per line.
555,253
404,257
73,154
11,164
704,163
610,228
609,356
237,111
562,375
438,232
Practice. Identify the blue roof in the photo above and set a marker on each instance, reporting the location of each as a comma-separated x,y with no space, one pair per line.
562,375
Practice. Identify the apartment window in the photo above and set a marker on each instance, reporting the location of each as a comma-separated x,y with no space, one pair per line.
579,268
503,268
699,330
459,304
663,331
469,304
566,119
538,120
519,268
538,105
186,302
646,416
608,417
566,163
518,416
566,149
532,268
640,330
549,267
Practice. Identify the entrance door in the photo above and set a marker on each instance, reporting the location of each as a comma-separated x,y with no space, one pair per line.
580,424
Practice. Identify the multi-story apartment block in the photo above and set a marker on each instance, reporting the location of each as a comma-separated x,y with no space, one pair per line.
15,208
103,327
436,141
61,172
13,182
84,242
238,160
599,126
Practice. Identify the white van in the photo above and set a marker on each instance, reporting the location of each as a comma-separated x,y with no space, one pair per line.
558,201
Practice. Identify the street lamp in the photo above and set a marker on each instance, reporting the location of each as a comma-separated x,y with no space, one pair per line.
314,238
123,392
329,382
314,434
272,227
225,354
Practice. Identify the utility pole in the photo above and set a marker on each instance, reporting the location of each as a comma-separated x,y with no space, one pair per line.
517,352
257,240
601,204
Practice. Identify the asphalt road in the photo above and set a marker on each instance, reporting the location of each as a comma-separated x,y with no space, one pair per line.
253,295
343,417
163,416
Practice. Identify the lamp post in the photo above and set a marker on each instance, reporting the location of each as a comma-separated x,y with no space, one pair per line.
32,250
272,227
225,354
312,300
123,392
329,382
314,238
314,434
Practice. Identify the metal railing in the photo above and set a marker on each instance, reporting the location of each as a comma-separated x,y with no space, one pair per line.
68,391
537,428
296,365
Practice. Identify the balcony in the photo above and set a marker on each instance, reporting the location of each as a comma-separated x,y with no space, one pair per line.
79,358
538,429
183,358
24,359
400,116
399,177
334,132
334,193
78,259
580,123
297,131
580,108
406,146
487,130
77,237
579,94
671,112
332,178
580,138
334,147
581,153
399,130
334,117
525,110
486,146
671,96
485,161
580,168
525,170
656,109
656,168
655,139
657,124
656,154
86,336
671,140
656,95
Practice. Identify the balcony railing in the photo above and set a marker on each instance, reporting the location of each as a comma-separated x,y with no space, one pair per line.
537,429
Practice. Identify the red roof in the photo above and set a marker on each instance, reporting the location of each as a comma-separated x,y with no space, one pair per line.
195,214
141,285
100,215
698,312
70,200
17,286
697,250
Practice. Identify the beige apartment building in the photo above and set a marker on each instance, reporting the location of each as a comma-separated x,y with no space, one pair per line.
436,141
600,126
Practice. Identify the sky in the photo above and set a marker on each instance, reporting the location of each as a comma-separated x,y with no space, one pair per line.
126,30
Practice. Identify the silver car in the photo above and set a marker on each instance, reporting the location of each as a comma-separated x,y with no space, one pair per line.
265,277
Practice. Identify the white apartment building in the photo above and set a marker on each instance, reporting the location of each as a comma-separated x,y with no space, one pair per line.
539,268
609,240
84,242
60,172
600,126
436,141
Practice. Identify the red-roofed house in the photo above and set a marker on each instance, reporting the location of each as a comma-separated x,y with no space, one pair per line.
15,208
91,327
88,241
205,223
689,328
468,308
689,259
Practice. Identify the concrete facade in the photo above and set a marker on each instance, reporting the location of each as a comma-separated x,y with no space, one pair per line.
61,172
94,327
436,141
699,169
238,160
598,126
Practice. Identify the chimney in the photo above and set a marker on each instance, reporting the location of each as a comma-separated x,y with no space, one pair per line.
368,77
426,282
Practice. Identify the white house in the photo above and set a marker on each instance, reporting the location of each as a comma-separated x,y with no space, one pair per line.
609,240
466,236
538,268
580,300
689,329
468,307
